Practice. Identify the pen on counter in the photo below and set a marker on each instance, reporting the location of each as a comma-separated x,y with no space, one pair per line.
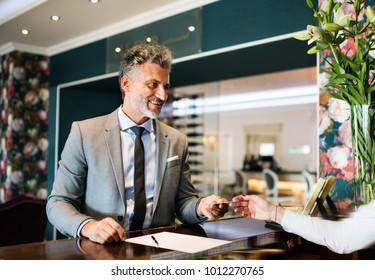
153,238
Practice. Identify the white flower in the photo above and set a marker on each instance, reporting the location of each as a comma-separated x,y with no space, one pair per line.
338,110
340,18
42,193
338,156
44,65
17,124
31,183
17,177
10,119
323,80
19,73
11,67
3,144
4,93
33,82
32,132
43,144
324,120
44,94
9,171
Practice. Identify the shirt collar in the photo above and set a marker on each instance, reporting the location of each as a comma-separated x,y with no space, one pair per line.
126,122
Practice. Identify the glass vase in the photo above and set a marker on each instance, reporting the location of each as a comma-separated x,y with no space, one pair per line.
363,120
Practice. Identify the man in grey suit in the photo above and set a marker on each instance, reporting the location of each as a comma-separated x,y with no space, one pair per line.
93,193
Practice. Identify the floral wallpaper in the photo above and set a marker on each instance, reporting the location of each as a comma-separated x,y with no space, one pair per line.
335,150
24,104
335,135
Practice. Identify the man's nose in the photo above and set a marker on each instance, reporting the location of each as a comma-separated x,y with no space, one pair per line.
162,94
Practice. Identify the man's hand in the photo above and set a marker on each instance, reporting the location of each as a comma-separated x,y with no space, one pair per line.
104,231
213,207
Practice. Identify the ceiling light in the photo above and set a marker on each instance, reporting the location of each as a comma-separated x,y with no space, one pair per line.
55,18
191,28
94,1
148,39
118,49
25,31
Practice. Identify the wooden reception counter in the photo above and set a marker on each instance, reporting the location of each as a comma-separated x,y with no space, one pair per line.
250,240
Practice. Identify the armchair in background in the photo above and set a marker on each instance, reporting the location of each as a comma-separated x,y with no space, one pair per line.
23,220
239,186
309,183
271,181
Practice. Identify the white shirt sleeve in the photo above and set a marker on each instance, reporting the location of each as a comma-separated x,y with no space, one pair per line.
344,236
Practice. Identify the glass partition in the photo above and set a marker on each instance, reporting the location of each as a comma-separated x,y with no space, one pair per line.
270,119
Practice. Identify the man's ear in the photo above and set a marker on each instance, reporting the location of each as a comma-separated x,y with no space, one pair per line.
124,83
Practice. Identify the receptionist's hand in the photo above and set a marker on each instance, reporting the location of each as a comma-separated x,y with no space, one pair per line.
256,207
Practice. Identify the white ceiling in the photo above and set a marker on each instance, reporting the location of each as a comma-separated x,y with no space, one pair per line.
81,21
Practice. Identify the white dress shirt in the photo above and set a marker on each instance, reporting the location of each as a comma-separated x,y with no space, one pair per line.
149,144
344,236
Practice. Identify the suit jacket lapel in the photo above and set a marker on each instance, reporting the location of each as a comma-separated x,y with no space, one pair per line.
162,144
113,142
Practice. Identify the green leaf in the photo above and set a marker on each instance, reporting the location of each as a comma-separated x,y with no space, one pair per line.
337,96
363,74
310,4
329,6
313,50
347,76
354,66
356,95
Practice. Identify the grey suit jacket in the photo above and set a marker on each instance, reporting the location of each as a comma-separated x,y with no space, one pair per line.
89,182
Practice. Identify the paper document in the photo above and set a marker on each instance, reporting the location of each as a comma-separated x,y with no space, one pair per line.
178,242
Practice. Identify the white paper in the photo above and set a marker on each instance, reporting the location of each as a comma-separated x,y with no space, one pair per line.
178,242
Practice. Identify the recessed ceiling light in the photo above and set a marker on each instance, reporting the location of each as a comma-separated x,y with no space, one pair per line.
55,18
25,31
191,28
94,1
118,49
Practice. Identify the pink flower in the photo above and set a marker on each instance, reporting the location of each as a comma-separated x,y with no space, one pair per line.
42,166
345,134
338,156
344,206
348,9
31,98
30,149
348,47
42,115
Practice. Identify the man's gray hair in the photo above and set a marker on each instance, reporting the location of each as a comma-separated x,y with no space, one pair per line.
143,53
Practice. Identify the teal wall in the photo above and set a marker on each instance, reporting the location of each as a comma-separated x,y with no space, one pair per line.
224,23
